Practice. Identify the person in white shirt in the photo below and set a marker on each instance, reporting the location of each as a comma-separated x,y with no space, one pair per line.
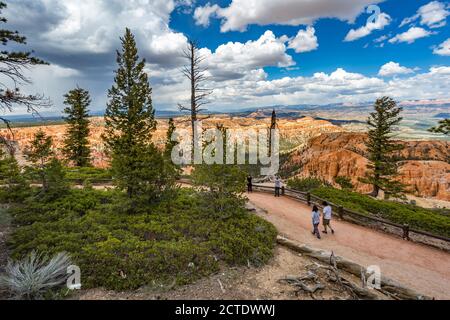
327,215
278,185
316,221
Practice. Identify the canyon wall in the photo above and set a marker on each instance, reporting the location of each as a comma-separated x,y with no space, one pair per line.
321,149
425,165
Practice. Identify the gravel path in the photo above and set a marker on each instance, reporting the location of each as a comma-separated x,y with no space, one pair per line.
419,267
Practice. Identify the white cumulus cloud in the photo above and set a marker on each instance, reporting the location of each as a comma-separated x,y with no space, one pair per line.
235,59
411,35
443,49
304,41
393,68
86,26
202,15
433,15
241,13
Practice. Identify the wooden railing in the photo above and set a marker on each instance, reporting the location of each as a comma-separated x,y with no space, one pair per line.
403,231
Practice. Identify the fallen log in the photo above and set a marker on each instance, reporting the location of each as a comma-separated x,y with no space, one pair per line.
390,286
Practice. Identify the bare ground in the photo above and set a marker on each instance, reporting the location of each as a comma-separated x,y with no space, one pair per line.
239,284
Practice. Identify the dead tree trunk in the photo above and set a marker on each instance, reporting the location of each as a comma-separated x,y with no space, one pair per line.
196,73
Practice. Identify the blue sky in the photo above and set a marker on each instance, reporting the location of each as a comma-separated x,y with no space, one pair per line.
333,52
285,52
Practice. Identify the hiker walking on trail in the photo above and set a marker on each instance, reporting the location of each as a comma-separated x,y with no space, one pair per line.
250,184
316,221
278,185
327,215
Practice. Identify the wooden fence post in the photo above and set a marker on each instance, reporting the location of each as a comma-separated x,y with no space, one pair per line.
406,232
341,212
283,191
308,198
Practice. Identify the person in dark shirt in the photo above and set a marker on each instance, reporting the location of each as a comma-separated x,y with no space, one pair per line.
250,184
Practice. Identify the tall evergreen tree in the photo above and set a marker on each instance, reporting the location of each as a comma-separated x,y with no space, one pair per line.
130,123
76,143
383,165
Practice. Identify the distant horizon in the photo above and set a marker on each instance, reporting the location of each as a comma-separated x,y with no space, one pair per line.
95,113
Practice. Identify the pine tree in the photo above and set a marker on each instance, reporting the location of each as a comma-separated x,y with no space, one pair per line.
76,143
11,177
130,123
12,66
40,151
383,165
39,154
221,185
10,173
169,143
443,127
45,166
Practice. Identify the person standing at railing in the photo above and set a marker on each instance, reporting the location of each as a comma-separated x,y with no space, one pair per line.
316,221
250,184
278,185
327,215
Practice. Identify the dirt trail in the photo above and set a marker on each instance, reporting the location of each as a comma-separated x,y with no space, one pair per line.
417,266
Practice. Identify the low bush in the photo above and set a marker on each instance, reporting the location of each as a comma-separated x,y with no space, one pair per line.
305,184
344,182
33,276
89,174
416,217
157,245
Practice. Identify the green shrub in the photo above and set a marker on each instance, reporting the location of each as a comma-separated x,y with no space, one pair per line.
130,263
156,245
243,240
344,182
416,217
305,184
89,174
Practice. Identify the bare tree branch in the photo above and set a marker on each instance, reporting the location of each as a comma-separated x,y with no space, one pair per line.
13,65
196,74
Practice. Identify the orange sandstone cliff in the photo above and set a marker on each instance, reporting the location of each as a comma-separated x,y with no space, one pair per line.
425,166
321,149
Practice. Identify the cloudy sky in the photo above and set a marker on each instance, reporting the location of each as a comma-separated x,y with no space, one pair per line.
258,52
